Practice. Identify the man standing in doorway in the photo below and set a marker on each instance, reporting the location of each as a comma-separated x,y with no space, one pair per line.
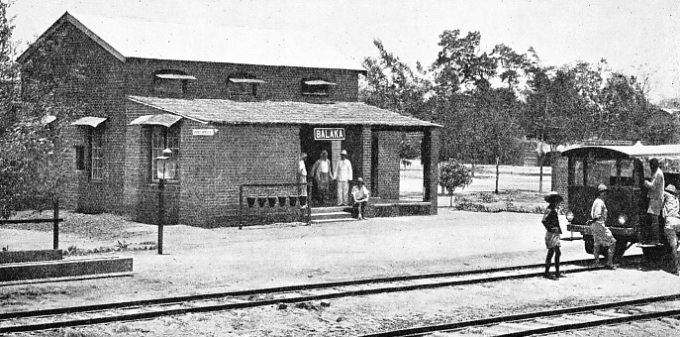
322,176
655,194
302,175
343,174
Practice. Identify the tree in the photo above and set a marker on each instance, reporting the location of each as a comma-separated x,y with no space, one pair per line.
392,85
556,111
480,121
454,175
34,167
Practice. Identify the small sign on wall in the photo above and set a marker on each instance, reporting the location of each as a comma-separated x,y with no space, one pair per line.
329,134
203,132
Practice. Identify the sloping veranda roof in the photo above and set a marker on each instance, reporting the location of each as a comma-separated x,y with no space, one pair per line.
224,111
136,38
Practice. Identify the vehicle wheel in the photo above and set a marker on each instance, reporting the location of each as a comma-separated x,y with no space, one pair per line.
654,253
589,243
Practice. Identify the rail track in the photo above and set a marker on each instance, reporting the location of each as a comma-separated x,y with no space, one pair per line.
553,321
45,319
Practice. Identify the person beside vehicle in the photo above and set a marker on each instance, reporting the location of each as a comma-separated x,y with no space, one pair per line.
602,236
671,215
655,188
552,234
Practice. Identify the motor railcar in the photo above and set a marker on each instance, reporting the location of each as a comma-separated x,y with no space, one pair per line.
623,169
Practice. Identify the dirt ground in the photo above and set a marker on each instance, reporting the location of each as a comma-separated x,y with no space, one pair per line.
200,260
207,260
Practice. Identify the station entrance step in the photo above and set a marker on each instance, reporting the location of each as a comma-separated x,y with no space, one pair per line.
331,214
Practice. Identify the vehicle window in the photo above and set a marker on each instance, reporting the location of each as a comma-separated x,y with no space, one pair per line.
627,167
602,171
578,172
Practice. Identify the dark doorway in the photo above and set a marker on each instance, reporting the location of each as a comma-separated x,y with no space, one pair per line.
313,149
374,164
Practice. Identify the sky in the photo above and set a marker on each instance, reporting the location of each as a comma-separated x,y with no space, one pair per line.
635,36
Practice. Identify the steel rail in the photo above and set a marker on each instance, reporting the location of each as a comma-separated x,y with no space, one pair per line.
426,330
287,289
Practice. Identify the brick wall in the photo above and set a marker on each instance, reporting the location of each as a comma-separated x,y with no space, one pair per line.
214,168
388,164
282,83
430,160
88,84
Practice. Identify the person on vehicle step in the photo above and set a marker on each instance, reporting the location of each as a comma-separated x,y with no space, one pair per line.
655,195
552,234
671,214
602,236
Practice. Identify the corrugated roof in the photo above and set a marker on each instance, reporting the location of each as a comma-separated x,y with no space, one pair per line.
137,38
89,121
166,120
275,112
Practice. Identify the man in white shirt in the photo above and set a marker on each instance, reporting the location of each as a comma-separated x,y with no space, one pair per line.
655,188
302,175
343,175
360,197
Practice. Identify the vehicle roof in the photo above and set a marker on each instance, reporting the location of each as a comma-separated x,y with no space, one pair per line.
635,151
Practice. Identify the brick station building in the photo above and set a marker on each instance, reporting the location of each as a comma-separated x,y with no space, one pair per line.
235,106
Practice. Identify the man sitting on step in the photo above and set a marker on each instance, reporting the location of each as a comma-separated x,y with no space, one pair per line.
360,197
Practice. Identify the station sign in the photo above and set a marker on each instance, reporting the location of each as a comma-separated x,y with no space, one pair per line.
329,133
203,132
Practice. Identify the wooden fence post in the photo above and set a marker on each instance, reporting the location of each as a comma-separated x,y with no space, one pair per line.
55,234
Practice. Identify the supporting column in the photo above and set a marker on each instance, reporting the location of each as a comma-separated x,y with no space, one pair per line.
430,160
366,138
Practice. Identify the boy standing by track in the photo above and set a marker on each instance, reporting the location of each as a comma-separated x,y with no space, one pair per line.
552,234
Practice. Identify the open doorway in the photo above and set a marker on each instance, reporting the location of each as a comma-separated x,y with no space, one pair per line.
314,148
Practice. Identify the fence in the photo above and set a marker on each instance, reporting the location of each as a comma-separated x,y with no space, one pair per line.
272,200
55,223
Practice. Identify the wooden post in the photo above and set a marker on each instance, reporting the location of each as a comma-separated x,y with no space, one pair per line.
55,232
161,214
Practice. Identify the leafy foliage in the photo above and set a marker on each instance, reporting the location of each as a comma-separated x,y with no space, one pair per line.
33,162
454,175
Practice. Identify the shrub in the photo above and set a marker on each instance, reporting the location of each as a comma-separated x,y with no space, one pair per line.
454,175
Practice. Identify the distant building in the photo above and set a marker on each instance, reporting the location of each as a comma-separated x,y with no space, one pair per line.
235,106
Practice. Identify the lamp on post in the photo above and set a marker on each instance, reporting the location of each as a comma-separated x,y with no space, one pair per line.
162,174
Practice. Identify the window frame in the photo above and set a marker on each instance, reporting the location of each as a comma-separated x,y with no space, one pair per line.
170,140
96,154
322,90
242,90
159,84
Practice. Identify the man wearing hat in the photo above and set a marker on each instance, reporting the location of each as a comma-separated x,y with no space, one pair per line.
601,235
552,234
360,196
322,176
343,175
671,214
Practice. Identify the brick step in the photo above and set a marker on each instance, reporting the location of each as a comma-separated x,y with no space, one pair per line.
317,222
67,278
331,215
317,210
64,268
20,256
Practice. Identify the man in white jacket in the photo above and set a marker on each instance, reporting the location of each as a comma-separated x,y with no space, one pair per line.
655,194
343,175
